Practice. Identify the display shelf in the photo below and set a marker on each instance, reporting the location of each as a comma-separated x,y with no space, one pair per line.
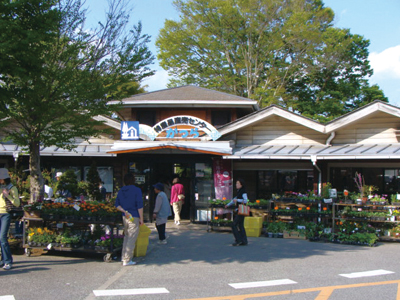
373,214
81,226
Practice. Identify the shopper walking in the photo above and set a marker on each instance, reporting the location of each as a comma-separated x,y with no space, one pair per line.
177,199
161,212
130,202
238,229
8,193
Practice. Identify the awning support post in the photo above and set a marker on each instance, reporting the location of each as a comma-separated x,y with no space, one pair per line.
314,162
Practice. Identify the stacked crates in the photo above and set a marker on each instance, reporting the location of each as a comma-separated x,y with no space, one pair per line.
253,226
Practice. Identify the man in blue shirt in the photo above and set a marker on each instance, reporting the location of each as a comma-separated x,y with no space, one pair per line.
130,202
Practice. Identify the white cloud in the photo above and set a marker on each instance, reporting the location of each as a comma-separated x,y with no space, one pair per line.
158,81
386,64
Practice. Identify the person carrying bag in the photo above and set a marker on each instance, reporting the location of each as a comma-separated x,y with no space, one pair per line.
241,210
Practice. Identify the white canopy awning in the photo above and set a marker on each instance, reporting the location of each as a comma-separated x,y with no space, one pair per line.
321,152
84,149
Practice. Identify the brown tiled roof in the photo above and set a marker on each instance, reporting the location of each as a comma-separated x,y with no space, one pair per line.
187,92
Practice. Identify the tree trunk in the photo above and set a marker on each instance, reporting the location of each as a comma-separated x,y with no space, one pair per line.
36,179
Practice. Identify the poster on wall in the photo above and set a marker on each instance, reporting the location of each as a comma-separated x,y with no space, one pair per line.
222,170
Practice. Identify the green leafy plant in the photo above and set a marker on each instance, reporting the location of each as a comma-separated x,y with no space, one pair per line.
93,179
219,202
276,227
68,181
325,190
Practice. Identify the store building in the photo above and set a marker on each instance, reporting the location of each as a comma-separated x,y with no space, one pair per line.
209,139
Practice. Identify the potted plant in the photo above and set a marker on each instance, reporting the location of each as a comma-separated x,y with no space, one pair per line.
274,228
281,227
395,199
360,183
378,200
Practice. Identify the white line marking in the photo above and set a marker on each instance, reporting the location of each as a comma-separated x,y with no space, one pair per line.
99,293
245,285
7,297
367,273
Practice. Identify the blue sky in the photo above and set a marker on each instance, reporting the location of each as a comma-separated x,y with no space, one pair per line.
376,20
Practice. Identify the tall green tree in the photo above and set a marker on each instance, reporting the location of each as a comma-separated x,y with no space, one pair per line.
275,51
55,74
336,81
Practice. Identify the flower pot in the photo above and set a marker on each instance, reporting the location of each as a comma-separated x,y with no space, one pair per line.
364,200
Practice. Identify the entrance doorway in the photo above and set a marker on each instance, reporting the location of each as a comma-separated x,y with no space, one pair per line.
194,172
166,172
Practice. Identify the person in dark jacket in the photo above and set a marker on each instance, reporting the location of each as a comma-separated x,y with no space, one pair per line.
103,191
238,229
130,202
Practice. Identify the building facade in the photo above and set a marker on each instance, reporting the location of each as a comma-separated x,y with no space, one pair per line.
209,139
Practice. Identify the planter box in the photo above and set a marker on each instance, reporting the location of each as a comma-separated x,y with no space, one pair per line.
253,222
293,235
253,232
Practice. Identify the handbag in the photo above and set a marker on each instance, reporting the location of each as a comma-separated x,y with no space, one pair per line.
243,210
181,196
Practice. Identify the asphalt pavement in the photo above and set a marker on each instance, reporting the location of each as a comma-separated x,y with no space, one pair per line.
198,264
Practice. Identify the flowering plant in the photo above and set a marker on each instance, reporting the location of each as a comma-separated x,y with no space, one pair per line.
105,241
37,205
41,235
377,198
359,180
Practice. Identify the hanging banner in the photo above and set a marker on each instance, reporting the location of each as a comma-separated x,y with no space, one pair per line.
223,182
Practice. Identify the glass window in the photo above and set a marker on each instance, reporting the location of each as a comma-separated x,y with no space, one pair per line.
147,117
279,181
267,184
287,181
220,117
392,181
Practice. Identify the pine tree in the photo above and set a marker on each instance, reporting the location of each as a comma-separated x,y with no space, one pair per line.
93,179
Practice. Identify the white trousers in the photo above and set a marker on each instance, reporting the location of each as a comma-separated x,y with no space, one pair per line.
177,206
131,232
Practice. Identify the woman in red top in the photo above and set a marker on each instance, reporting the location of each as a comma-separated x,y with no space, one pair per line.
177,199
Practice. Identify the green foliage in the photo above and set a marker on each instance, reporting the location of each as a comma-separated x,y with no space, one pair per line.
21,180
277,52
68,181
325,190
259,202
56,75
83,187
219,202
276,227
93,179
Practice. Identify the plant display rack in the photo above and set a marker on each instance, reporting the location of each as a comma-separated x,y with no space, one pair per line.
83,227
216,223
377,216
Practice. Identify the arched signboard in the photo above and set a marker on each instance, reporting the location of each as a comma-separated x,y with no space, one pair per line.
180,127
